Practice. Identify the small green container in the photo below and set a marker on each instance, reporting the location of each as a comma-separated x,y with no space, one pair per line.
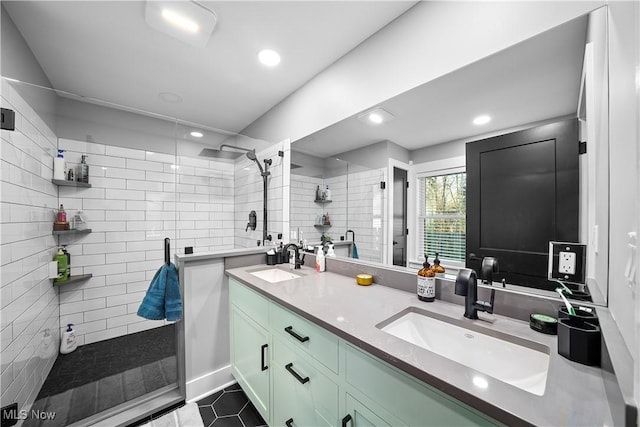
543,323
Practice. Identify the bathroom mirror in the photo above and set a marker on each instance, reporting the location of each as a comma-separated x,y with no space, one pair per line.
558,74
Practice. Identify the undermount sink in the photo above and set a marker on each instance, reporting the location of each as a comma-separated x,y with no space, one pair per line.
516,361
275,275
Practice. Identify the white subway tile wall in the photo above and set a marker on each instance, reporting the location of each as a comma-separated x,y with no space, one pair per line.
29,326
248,196
357,204
366,213
137,199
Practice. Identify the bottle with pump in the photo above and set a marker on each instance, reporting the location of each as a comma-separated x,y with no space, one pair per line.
63,271
331,253
68,342
59,167
426,288
327,193
320,264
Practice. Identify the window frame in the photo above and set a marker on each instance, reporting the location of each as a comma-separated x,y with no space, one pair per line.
420,171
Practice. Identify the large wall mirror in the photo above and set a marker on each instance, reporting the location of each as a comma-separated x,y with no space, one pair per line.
557,75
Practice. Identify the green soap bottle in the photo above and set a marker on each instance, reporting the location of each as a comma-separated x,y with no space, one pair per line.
63,271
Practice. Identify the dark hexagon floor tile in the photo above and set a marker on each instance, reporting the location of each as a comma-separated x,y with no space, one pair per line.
250,416
207,414
230,403
233,421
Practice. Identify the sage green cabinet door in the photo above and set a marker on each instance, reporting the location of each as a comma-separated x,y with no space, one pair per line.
359,415
301,393
250,359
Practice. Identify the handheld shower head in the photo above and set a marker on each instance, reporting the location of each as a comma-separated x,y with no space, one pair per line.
251,155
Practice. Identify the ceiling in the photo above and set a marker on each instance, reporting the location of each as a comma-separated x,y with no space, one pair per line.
106,50
532,81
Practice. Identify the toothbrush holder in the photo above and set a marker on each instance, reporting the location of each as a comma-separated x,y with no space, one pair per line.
579,341
584,315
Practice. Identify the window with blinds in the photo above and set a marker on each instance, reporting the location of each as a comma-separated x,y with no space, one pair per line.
442,216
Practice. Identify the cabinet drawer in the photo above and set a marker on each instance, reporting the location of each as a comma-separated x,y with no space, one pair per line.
305,335
253,304
412,401
302,396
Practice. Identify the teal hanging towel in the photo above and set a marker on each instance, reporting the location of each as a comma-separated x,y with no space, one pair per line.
354,253
163,300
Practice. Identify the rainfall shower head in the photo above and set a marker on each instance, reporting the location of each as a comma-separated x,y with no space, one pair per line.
222,154
219,154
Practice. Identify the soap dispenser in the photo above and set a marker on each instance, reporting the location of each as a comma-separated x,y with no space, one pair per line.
68,342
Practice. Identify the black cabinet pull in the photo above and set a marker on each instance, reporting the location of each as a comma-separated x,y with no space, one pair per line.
345,420
289,330
289,368
289,422
262,358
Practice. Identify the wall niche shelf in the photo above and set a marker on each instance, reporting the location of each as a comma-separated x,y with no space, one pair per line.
71,232
63,183
74,279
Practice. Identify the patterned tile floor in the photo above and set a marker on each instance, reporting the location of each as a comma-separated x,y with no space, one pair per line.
229,408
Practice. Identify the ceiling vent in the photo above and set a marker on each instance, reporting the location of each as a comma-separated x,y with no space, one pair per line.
186,21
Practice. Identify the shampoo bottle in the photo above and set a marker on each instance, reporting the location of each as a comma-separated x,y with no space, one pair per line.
320,260
59,167
68,342
63,271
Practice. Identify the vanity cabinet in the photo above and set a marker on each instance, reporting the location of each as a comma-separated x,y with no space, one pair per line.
318,379
250,343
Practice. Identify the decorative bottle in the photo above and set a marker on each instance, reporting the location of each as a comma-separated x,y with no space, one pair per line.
426,287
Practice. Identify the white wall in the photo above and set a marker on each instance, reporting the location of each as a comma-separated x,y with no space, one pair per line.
29,316
137,199
624,116
410,51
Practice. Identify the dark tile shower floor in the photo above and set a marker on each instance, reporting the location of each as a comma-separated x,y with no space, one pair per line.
102,375
229,408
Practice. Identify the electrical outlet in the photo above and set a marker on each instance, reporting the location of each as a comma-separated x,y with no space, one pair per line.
567,263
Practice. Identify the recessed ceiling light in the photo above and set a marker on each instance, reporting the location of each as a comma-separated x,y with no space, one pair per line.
269,57
376,116
170,97
481,120
196,134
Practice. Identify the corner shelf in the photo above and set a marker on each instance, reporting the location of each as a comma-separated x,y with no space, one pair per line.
61,232
323,201
74,279
64,183
322,225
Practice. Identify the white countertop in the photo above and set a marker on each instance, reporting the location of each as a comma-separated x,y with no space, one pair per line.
574,393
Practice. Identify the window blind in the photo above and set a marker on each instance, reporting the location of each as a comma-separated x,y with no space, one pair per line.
442,216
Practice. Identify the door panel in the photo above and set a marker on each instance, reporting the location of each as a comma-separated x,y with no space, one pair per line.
399,217
522,192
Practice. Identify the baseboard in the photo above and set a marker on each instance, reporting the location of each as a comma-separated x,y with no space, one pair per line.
208,383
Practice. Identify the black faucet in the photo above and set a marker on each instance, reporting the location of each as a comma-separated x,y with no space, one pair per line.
298,261
467,286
